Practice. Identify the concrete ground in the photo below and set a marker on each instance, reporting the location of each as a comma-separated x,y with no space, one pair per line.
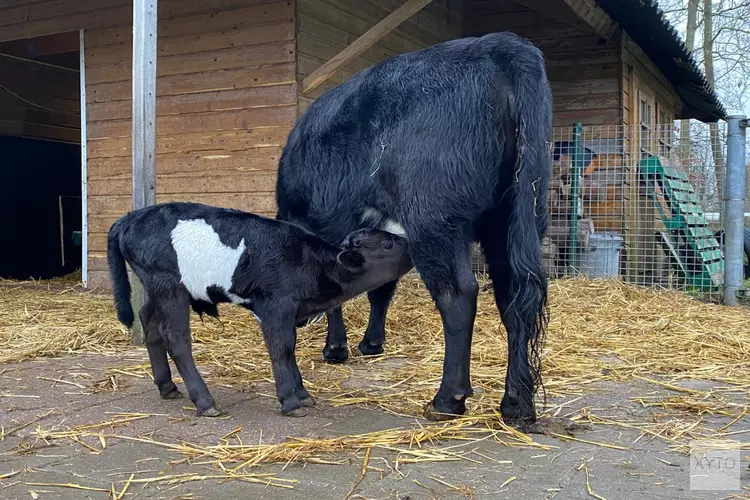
34,468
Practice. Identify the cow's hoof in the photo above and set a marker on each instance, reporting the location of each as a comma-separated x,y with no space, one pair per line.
297,412
368,349
173,394
210,412
307,402
336,354
430,413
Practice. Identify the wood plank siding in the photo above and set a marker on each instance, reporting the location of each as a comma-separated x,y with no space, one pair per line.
650,105
226,101
325,27
584,74
228,92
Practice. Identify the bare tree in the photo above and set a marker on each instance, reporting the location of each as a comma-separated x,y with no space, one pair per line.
724,28
692,27
708,62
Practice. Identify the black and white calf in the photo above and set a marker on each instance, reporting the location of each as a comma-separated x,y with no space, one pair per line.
189,255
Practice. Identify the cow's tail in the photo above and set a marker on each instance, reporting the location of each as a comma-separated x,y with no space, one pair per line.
119,275
529,190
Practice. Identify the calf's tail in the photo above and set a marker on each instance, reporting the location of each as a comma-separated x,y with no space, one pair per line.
119,275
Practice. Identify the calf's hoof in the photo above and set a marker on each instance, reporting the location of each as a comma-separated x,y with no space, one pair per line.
307,402
335,353
297,412
210,412
368,349
173,394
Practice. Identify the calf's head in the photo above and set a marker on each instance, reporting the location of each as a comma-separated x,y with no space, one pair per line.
374,257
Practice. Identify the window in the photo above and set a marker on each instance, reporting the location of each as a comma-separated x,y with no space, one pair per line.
646,124
666,133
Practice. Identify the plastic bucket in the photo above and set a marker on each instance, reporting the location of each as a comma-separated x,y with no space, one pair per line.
602,257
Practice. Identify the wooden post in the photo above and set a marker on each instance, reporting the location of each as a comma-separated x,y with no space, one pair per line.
144,126
84,163
364,42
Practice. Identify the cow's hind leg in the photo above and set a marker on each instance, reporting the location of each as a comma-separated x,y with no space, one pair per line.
517,406
174,309
519,302
374,338
444,265
336,349
157,353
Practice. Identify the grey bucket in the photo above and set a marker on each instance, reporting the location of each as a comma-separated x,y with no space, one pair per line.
602,257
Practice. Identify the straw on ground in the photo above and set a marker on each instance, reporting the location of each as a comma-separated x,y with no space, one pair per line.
600,331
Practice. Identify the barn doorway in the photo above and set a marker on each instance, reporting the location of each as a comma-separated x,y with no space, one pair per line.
40,157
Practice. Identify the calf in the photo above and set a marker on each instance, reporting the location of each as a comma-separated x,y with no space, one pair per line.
189,255
446,145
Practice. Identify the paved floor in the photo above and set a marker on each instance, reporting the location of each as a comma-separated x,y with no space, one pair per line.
31,467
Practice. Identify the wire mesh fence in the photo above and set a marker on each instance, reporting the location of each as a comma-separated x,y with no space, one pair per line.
637,203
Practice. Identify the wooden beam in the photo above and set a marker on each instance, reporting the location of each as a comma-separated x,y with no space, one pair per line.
40,63
594,16
144,125
367,40
556,11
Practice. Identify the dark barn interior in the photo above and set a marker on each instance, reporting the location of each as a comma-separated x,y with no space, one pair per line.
40,192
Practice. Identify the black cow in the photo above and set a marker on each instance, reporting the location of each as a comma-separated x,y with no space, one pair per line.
193,255
445,146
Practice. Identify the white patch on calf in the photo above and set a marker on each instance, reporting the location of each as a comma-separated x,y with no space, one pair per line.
391,225
203,260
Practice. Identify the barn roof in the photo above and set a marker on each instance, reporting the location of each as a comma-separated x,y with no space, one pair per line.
645,22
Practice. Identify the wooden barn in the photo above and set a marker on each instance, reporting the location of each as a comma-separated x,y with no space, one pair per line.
234,75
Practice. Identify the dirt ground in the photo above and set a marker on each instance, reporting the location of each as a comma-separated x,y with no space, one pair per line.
646,373
54,394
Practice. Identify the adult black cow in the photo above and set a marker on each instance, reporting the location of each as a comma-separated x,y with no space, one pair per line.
445,145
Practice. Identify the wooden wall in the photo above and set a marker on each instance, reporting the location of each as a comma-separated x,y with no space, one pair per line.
650,106
228,72
226,99
325,27
584,74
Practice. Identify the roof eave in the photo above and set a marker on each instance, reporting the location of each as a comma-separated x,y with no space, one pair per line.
646,24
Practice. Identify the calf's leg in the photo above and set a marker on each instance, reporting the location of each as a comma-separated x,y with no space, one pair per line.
174,309
280,336
444,265
335,350
157,353
374,338
305,399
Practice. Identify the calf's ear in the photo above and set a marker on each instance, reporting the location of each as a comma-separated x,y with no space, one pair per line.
350,259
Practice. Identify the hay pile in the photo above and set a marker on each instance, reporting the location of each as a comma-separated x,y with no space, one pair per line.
54,317
599,331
